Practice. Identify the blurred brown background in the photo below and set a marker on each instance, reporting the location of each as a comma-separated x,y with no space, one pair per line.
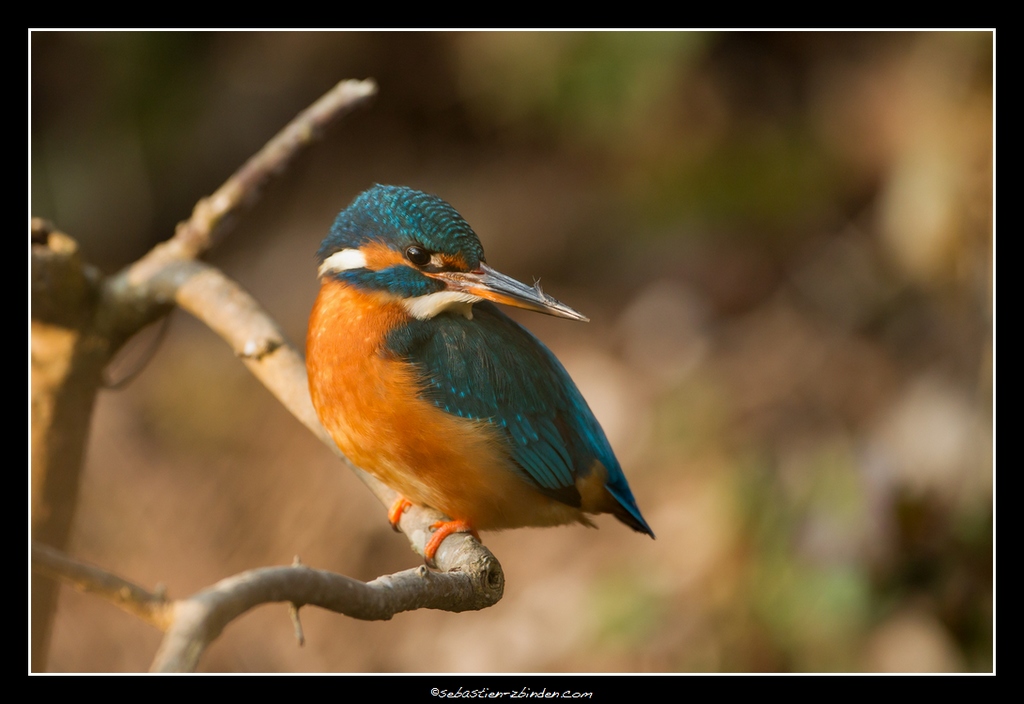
783,240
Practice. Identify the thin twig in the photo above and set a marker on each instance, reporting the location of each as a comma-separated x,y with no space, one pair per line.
211,214
152,608
129,302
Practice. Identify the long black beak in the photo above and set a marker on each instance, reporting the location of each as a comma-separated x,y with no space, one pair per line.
487,283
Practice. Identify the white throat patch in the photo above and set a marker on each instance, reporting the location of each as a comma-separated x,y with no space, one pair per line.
426,307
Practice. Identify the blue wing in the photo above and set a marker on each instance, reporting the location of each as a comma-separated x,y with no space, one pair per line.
492,369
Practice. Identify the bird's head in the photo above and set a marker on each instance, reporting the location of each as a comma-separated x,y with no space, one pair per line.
415,247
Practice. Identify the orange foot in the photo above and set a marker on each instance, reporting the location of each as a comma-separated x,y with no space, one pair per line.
442,529
396,511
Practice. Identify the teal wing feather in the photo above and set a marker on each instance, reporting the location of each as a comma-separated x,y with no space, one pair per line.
492,369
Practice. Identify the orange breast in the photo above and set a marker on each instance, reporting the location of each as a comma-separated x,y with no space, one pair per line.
369,402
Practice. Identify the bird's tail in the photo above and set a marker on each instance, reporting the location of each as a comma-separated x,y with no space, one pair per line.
627,510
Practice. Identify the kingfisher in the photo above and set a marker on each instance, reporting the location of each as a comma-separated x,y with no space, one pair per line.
423,382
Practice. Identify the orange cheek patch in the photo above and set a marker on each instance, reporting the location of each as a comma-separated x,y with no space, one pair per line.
453,261
379,256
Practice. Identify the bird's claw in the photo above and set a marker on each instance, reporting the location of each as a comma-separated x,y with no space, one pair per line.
441,530
396,511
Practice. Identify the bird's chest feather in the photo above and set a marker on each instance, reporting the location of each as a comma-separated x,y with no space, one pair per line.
370,401
367,399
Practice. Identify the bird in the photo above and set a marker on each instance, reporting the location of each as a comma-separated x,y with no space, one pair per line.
424,383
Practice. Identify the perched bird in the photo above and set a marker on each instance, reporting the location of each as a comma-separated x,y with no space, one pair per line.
425,384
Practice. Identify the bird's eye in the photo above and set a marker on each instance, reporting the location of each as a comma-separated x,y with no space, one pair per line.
417,255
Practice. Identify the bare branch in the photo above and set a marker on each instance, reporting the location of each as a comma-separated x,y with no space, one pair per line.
67,368
191,624
200,619
128,291
151,608
211,215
